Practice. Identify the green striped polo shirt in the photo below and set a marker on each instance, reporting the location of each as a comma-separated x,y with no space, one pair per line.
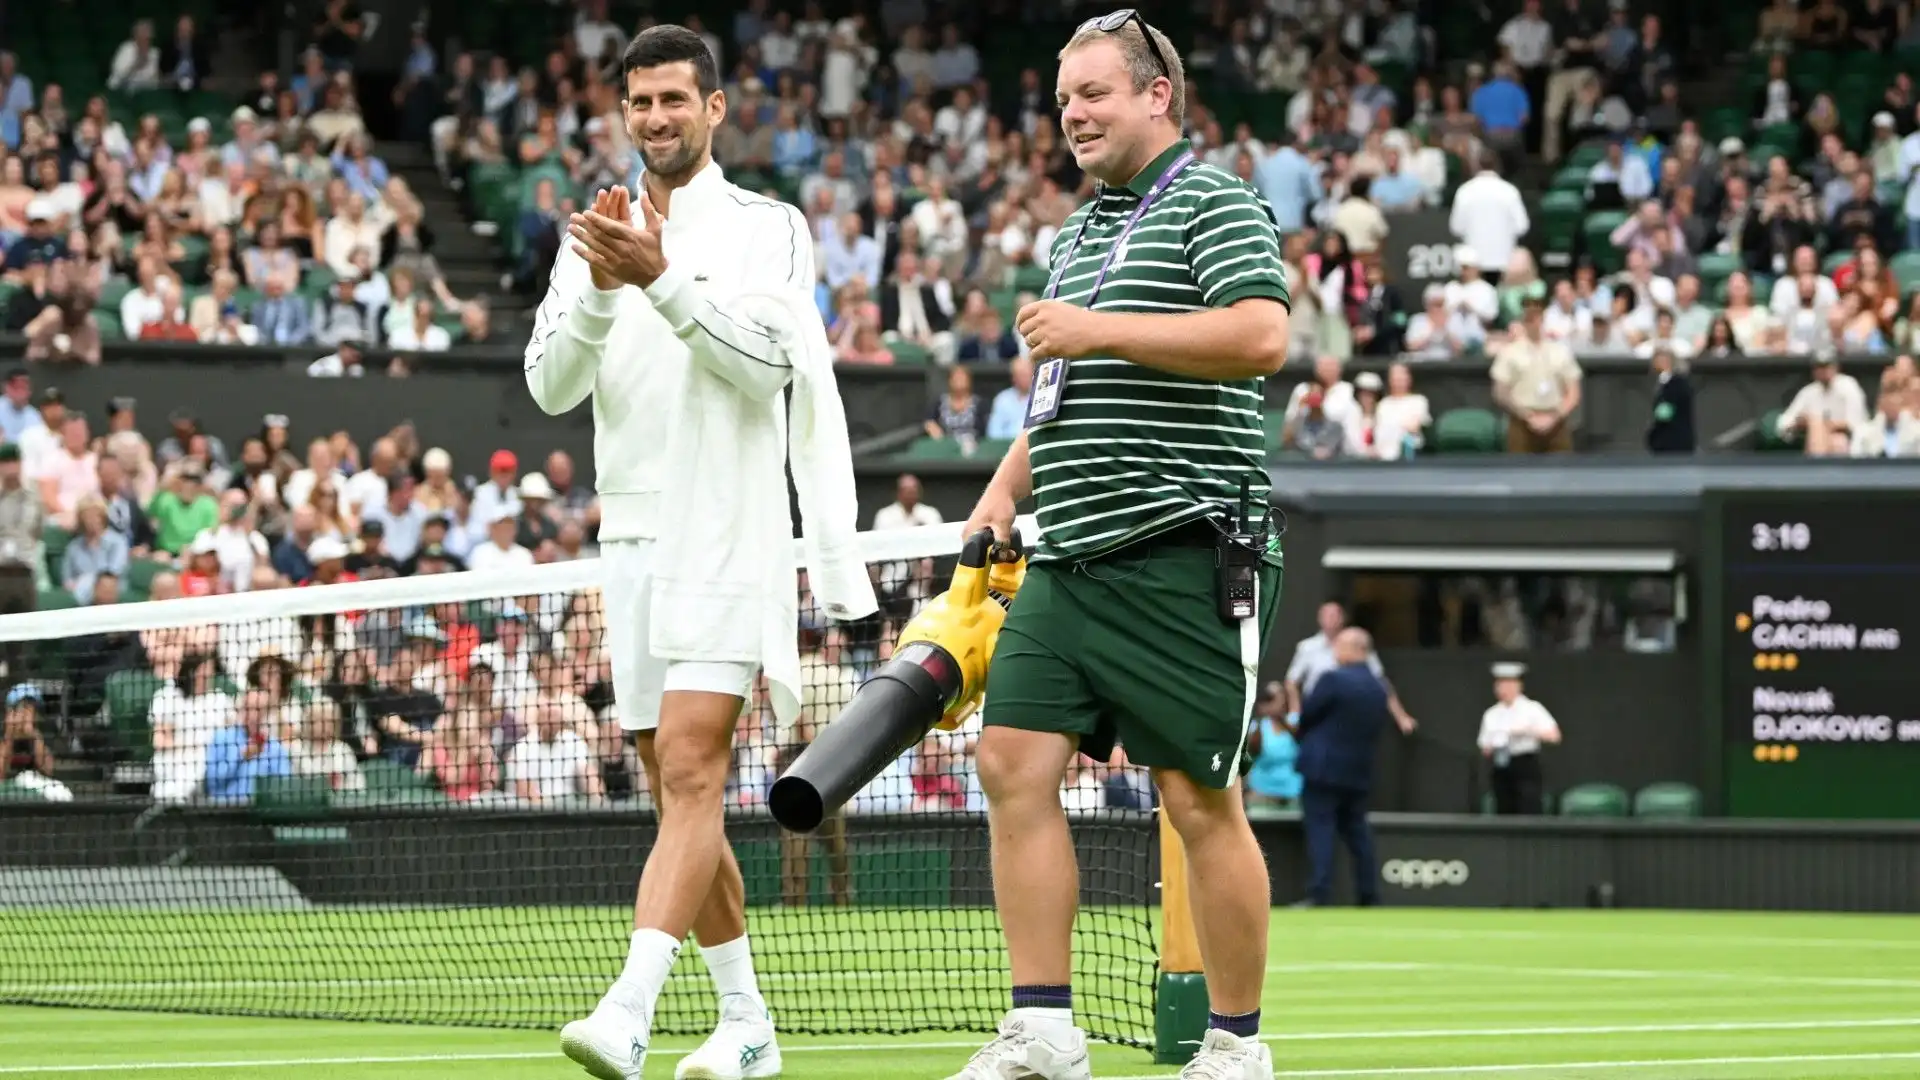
1135,451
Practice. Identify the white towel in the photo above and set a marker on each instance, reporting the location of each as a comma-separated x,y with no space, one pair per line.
820,456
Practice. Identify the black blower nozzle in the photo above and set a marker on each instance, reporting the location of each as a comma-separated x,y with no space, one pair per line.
888,716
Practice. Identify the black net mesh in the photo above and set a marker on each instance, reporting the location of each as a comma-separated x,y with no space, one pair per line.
410,800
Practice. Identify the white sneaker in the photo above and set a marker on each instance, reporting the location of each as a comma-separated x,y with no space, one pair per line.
611,1044
1021,1054
741,1048
1226,1056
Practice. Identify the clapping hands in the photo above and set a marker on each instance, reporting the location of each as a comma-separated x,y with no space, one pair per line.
616,252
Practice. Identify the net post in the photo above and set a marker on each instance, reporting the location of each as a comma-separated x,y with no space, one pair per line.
1180,1007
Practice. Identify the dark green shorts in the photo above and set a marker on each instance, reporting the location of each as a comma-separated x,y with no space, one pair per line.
1129,649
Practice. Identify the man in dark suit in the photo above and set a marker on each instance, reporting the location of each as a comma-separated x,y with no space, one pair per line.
1339,723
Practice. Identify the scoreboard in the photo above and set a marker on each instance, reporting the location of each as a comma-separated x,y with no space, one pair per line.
1811,598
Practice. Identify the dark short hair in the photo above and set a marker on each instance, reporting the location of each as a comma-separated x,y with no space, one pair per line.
669,44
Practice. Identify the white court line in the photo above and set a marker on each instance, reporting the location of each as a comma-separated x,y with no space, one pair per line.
1330,1036
1680,974
1598,1029
405,1059
776,977
1543,1066
1702,940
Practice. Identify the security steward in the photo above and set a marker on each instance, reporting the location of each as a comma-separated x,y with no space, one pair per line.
1512,731
1340,722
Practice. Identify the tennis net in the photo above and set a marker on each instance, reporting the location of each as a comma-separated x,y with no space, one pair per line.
409,800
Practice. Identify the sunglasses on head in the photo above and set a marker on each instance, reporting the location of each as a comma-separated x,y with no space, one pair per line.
1111,24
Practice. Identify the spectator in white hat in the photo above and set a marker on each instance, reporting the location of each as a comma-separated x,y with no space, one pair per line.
1512,730
437,492
41,242
1883,150
499,551
536,526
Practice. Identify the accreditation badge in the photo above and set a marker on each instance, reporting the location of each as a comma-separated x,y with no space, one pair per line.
1049,380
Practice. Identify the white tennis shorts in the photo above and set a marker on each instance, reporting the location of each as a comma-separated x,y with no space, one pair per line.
639,677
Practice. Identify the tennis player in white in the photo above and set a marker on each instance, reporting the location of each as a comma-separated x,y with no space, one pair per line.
685,317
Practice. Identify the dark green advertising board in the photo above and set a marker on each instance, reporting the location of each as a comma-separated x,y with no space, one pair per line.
1810,600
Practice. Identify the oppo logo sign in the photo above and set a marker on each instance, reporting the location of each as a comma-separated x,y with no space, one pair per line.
1424,873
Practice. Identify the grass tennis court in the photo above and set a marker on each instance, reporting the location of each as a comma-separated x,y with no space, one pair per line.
1382,993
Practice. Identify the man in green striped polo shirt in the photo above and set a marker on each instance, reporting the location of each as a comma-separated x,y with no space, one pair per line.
1167,306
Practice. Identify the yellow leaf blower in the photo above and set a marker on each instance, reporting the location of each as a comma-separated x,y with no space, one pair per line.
937,678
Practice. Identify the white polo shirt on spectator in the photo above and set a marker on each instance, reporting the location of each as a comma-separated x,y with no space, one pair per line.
139,308
1838,401
1529,41
1489,216
300,485
1313,657
1336,401
490,500
895,516
1785,299
491,556
554,768
1515,728
38,445
364,490
407,339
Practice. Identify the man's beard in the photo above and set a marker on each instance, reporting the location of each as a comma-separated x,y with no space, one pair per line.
676,162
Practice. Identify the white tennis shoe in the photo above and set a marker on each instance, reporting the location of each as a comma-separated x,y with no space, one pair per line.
1225,1056
611,1044
741,1048
1019,1053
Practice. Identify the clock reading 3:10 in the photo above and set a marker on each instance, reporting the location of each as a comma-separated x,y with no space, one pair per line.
1786,536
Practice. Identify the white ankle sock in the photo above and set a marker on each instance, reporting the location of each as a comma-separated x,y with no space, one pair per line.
732,966
1053,1025
649,962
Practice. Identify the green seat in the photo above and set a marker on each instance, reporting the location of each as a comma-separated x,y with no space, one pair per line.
54,540
1571,178
107,320
1782,137
1586,155
1811,71
1766,434
317,280
1595,800
909,354
1668,801
129,697
992,449
1468,431
140,574
111,293
927,448
1834,260
1727,122
1714,269
390,776
1273,423
1598,231
1029,278
56,600
1906,270
292,798
1561,212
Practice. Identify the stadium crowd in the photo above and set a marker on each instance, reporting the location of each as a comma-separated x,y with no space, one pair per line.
145,206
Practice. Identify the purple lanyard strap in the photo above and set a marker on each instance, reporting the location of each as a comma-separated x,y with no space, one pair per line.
1172,172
